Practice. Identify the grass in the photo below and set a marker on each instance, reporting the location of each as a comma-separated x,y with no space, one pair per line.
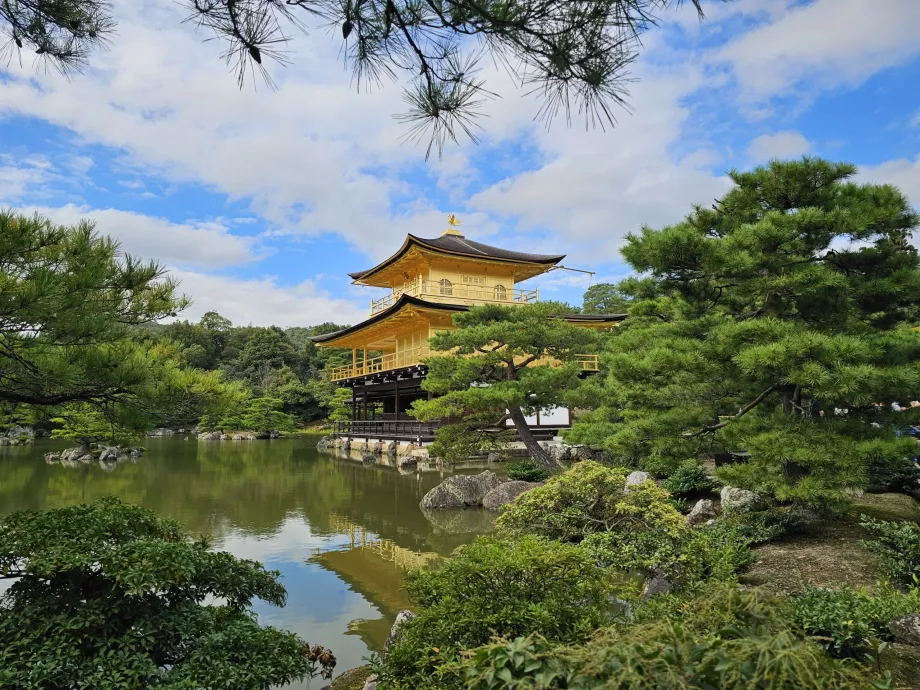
829,553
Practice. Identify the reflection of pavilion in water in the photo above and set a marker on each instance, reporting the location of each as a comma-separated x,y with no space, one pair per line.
375,568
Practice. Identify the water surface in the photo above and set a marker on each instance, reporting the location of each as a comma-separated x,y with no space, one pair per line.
341,533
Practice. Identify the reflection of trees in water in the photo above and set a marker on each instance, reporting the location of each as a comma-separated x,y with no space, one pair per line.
251,486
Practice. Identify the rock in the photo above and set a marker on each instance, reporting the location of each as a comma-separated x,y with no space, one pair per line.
161,432
655,584
402,618
735,501
420,453
494,457
635,479
460,490
370,683
406,462
52,457
391,449
237,437
109,454
194,430
75,455
503,494
703,511
379,448
136,452
263,435
906,629
225,437
4,441
274,434
325,443
21,432
209,436
369,458
346,445
461,520
352,679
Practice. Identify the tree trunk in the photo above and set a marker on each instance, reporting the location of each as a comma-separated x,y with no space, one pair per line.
539,455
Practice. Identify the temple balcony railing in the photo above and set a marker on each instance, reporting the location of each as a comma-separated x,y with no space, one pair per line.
414,357
457,293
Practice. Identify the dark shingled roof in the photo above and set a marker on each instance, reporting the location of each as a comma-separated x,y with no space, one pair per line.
458,244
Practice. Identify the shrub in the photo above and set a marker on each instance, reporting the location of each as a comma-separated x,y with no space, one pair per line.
898,547
109,595
628,530
718,552
494,587
727,639
845,621
527,471
689,478
890,469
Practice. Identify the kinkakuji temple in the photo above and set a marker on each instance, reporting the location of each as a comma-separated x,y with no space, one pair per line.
430,280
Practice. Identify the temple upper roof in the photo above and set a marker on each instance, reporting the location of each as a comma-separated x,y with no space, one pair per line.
455,244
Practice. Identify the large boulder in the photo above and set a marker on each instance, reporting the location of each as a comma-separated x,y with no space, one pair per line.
505,493
702,512
74,455
461,521
371,682
402,618
460,491
52,457
906,629
368,458
209,436
21,432
635,479
736,501
657,583
109,454
392,447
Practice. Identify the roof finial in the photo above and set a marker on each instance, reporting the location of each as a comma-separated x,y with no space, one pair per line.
453,222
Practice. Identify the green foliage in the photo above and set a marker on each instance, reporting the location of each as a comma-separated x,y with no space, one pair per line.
777,321
690,477
68,298
109,595
264,414
727,639
494,587
849,622
605,298
638,529
720,551
898,547
522,359
527,471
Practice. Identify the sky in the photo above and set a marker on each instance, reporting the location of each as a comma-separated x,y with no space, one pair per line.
260,201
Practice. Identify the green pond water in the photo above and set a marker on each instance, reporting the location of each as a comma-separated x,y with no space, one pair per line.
341,533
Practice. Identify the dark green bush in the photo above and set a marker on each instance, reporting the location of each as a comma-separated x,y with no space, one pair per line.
494,587
727,639
890,470
689,478
527,471
898,547
846,621
110,595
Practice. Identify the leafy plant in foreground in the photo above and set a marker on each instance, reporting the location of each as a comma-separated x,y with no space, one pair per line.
726,639
847,620
495,587
109,595
898,547
690,477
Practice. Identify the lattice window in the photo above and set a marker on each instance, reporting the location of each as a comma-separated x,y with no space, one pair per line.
501,294
445,287
474,280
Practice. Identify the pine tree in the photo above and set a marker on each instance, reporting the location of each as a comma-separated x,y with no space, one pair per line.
505,363
776,325
576,54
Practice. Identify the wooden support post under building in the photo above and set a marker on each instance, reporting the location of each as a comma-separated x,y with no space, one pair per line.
396,389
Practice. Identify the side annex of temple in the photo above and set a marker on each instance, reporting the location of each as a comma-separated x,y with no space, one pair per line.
430,280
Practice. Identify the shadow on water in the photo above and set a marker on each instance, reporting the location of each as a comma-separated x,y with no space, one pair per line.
341,533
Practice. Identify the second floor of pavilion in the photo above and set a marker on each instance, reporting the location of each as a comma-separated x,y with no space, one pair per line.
452,269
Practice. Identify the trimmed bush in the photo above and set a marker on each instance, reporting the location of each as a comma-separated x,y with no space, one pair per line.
527,471
689,478
898,547
494,587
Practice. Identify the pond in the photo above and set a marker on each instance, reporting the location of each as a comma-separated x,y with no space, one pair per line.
342,533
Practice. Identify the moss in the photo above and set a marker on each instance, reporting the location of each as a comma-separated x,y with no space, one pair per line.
903,662
353,679
887,507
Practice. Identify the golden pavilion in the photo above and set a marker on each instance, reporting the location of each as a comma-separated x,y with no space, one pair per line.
429,280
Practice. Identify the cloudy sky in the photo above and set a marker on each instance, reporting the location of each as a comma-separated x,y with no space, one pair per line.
261,200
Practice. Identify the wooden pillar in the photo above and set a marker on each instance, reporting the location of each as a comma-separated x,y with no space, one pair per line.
396,389
364,400
364,362
354,403
354,361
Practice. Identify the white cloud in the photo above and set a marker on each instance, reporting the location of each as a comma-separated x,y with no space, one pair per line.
264,302
779,145
903,173
915,119
824,43
596,187
19,179
205,244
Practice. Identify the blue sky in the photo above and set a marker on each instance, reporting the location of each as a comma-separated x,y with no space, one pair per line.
260,200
